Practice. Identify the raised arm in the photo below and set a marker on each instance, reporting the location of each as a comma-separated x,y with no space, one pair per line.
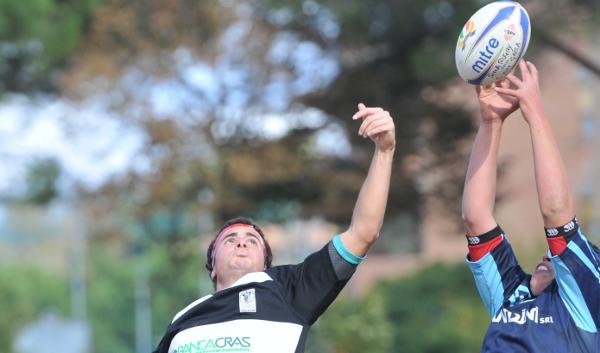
554,194
367,218
480,183
576,262
497,276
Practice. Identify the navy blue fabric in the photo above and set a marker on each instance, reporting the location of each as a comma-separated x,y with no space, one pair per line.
563,318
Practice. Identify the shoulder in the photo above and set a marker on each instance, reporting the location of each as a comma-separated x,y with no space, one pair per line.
190,306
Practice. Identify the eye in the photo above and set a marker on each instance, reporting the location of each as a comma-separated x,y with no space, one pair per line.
230,240
253,241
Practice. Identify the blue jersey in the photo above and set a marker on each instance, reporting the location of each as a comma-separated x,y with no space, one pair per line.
565,317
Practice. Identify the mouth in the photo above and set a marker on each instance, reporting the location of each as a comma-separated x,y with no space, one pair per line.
542,267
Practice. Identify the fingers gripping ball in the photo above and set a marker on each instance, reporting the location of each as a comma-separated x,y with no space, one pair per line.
492,42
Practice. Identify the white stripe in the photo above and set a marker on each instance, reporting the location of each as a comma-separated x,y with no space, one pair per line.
253,277
194,303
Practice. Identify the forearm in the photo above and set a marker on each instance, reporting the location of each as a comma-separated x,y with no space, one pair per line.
480,183
369,209
554,193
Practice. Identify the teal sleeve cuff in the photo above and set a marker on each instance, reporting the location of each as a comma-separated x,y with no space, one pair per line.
345,253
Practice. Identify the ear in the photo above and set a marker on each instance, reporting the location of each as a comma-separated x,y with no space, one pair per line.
213,275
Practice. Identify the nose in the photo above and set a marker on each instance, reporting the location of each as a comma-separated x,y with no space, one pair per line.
240,244
545,258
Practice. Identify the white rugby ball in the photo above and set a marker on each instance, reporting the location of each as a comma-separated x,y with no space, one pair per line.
492,42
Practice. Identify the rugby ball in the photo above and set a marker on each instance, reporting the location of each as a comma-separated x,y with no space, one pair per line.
492,42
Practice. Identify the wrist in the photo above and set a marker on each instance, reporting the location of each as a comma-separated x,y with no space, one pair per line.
491,118
535,120
533,112
491,125
491,121
386,152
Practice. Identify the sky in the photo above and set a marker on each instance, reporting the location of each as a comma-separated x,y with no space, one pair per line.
90,144
94,142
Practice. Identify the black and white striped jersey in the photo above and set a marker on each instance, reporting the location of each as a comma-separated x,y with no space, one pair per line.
263,312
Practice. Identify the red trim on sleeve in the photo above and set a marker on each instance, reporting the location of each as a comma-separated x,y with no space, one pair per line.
557,245
478,251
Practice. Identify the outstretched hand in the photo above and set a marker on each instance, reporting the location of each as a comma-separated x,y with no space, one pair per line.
377,125
495,107
526,91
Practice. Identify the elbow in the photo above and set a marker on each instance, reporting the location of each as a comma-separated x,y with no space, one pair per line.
478,222
470,216
368,235
556,212
468,220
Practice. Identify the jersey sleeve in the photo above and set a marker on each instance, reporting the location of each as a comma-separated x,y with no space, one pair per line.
311,286
499,278
577,270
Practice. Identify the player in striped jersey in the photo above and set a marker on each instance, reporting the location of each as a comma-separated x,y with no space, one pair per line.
263,309
556,309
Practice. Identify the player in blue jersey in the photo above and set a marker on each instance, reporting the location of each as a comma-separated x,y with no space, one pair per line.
263,309
556,309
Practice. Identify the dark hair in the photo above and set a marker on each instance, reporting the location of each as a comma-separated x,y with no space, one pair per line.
237,220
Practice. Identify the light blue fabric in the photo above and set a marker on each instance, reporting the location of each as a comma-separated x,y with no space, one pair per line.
345,253
488,282
569,290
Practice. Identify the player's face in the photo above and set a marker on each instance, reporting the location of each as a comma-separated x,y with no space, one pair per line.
239,251
542,276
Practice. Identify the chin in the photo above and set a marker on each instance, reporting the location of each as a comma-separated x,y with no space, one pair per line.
539,282
246,268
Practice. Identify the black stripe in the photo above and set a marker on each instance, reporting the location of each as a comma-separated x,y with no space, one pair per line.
485,237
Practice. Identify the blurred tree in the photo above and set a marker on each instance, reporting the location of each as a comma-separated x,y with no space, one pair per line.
24,293
42,180
127,33
399,55
202,78
174,274
353,326
191,282
435,310
110,300
36,38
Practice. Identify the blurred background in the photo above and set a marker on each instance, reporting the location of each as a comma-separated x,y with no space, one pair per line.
131,129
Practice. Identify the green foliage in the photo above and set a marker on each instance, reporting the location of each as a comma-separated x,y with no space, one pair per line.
353,326
25,292
36,37
177,278
174,275
42,181
436,310
110,301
